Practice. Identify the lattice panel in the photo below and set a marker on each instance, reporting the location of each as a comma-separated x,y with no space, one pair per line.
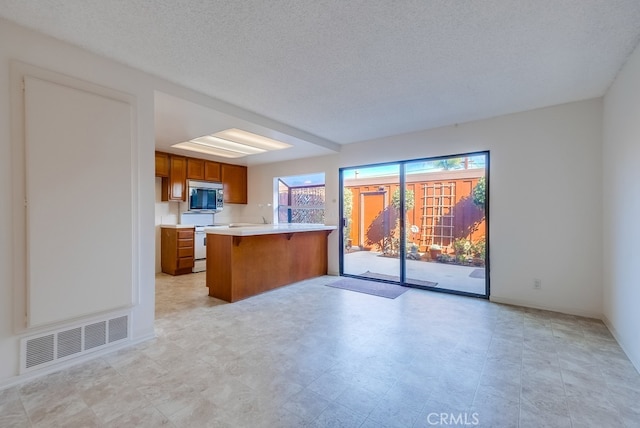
438,200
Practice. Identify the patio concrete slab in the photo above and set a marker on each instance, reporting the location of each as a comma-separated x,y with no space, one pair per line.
448,276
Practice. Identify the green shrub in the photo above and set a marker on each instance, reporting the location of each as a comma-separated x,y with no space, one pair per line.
462,246
479,193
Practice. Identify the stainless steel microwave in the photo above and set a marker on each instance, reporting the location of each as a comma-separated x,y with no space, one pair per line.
205,196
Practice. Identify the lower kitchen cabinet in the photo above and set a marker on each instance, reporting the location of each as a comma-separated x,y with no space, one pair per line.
177,249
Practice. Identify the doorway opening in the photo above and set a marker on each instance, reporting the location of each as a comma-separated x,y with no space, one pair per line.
421,223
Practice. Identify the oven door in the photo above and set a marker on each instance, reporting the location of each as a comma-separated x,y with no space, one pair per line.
200,251
200,245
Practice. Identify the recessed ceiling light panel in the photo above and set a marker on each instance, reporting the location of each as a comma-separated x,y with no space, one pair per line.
221,143
232,143
201,148
250,139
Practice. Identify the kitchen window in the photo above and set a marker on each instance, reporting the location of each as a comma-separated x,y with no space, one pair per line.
301,199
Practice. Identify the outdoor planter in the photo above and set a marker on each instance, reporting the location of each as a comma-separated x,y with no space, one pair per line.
434,251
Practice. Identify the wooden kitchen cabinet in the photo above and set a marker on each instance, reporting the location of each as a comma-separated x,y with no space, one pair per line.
234,181
175,170
162,164
177,250
174,186
195,169
200,169
212,171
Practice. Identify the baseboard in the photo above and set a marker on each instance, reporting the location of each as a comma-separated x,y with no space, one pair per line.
26,377
616,335
526,304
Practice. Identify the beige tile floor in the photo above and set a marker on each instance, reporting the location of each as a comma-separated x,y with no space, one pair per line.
310,355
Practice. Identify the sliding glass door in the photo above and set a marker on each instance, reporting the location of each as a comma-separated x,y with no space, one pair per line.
420,223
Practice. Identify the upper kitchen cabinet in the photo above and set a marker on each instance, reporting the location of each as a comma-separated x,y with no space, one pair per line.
174,187
195,169
212,171
175,170
200,169
162,164
234,180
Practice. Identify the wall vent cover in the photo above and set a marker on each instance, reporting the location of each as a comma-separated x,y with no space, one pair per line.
69,342
40,350
118,329
53,347
95,335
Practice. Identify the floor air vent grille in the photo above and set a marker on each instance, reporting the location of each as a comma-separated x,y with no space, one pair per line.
46,349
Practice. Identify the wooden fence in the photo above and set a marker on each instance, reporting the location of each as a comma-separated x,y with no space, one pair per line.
443,209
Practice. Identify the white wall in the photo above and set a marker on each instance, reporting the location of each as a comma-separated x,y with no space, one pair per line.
545,198
621,159
17,43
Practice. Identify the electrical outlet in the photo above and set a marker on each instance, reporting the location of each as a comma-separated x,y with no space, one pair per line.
537,284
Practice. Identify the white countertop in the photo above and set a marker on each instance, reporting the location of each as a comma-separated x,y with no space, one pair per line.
177,226
248,229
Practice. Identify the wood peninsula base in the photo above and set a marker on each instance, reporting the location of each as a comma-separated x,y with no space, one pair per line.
250,262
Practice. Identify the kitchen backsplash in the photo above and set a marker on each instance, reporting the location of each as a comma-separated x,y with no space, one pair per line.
170,212
166,212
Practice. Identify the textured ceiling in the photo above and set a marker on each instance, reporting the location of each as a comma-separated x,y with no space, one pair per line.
354,70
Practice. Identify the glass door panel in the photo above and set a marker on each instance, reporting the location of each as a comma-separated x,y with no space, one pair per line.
371,233
447,227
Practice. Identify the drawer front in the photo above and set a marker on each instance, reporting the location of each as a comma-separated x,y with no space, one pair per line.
185,262
182,243
185,234
185,252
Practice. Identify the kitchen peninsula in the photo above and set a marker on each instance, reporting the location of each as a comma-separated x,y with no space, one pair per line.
247,259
